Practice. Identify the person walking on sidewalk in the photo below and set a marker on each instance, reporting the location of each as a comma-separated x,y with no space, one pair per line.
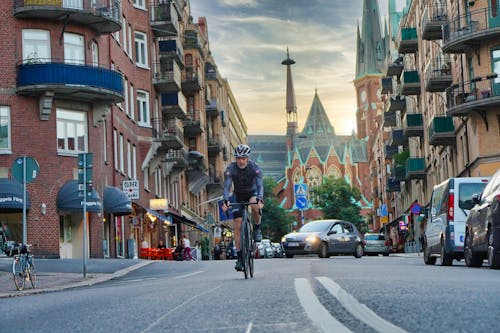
187,248
246,178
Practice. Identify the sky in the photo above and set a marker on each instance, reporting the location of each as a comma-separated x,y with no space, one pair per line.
249,39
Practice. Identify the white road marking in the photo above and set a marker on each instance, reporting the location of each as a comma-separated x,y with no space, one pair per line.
178,306
249,328
358,310
315,310
190,274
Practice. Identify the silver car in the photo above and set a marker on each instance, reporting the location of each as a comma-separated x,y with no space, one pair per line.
376,244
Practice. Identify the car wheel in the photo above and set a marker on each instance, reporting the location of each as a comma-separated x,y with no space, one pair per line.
289,255
446,259
323,250
358,250
427,256
471,259
493,255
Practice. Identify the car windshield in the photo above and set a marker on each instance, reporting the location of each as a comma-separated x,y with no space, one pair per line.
319,226
374,237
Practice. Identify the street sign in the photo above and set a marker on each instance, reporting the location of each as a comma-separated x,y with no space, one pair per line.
300,190
301,202
88,160
383,210
131,188
32,169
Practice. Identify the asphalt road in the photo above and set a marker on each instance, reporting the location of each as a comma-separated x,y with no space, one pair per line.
304,294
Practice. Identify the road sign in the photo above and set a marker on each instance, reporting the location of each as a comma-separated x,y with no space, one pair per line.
131,188
300,189
32,169
301,202
88,160
383,210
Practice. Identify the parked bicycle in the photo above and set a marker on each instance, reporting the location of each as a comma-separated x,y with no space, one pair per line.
23,267
247,244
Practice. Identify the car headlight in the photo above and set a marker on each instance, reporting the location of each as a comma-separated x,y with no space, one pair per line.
312,239
283,239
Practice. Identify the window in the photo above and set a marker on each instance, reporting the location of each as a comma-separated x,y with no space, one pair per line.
105,142
134,162
131,111
95,54
120,151
139,4
5,129
36,45
141,50
146,178
129,41
71,131
143,108
125,95
74,51
115,145
158,177
129,159
495,59
124,29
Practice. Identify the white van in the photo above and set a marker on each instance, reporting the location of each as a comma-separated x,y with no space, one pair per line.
445,230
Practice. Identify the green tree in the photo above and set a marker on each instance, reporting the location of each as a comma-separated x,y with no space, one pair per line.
337,199
275,220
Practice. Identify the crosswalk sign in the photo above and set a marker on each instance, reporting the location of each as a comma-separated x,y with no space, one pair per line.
300,189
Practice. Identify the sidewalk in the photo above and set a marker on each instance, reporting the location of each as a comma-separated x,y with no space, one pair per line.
59,274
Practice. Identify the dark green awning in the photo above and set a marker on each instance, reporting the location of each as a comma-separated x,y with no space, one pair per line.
69,199
116,202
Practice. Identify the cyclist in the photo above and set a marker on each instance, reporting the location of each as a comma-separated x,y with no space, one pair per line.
246,177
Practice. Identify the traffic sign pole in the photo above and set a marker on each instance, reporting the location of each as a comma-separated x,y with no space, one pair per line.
25,226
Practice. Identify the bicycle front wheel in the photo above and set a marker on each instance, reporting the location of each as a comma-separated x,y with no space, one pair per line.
32,273
245,253
18,273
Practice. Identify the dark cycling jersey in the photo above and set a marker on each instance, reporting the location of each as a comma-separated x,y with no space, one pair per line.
247,182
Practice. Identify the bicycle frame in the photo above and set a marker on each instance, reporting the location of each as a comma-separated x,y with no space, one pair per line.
23,269
247,244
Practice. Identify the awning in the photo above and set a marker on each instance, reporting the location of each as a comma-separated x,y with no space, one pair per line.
11,195
69,200
116,202
162,218
199,227
197,181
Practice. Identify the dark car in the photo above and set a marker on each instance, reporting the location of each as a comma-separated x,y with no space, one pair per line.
482,228
324,238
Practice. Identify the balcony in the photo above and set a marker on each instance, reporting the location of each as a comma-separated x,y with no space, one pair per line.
167,76
438,75
214,146
442,132
213,108
173,105
390,119
397,138
408,41
415,168
170,135
433,18
393,185
386,85
179,158
210,71
171,49
397,103
191,40
479,94
413,125
87,83
191,81
394,66
411,83
216,181
102,16
463,33
390,151
164,19
398,172
193,125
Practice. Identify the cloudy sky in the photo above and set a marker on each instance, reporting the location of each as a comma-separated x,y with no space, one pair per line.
248,39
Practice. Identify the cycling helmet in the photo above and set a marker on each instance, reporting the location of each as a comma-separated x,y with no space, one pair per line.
242,151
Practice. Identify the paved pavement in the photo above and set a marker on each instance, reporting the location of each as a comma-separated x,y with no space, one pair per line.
59,274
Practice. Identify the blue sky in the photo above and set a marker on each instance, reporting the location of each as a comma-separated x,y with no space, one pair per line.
248,39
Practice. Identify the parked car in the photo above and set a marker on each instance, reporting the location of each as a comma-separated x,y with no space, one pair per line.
482,229
376,244
278,250
260,253
268,249
450,204
324,237
231,251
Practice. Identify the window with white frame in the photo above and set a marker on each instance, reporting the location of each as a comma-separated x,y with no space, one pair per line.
105,142
122,160
124,30
36,45
74,50
115,145
141,49
134,162
125,95
158,177
145,177
129,39
143,108
71,131
5,129
129,159
131,112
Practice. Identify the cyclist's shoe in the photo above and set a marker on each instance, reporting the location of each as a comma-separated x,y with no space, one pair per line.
257,234
239,265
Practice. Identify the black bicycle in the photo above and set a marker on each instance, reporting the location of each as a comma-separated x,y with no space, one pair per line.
247,244
23,267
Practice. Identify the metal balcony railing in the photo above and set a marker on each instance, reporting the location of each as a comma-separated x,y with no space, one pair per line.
433,18
438,75
478,93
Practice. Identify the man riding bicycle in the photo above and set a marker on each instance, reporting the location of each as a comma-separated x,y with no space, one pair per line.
246,177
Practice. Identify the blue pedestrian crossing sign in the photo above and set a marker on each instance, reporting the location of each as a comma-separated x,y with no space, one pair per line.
300,191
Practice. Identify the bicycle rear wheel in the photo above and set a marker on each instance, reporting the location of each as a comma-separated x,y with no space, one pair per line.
244,248
251,248
18,273
32,272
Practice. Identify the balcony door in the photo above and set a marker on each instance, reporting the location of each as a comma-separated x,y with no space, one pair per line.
495,62
73,4
74,49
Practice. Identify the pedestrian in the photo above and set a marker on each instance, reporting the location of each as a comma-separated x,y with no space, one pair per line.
187,248
161,245
144,244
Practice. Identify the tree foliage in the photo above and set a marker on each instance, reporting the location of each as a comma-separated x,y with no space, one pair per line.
275,220
337,199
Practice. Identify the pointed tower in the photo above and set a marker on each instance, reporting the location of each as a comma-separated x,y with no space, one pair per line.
291,106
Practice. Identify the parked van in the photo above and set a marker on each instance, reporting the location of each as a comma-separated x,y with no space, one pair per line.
445,229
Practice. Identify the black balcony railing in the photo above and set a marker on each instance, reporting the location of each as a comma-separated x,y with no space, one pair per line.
164,19
397,103
480,93
103,16
442,131
169,133
413,125
386,85
438,75
415,168
167,76
390,119
433,18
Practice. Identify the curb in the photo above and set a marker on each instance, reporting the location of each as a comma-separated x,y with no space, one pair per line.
89,281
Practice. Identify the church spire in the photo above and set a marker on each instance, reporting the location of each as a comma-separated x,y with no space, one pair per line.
291,106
